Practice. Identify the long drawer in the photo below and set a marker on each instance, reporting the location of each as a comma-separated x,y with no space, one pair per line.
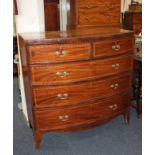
85,114
72,72
112,47
59,53
76,93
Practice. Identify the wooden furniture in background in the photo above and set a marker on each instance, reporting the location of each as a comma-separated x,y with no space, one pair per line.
15,52
94,13
135,7
15,7
51,13
133,21
76,80
137,82
138,85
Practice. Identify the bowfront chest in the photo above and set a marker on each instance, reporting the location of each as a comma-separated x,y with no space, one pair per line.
76,80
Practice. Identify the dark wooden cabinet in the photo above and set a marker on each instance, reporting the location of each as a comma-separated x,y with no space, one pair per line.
51,13
15,53
76,80
133,21
94,13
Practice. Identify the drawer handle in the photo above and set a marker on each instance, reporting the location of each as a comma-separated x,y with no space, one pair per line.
115,65
116,47
62,74
114,86
113,107
88,18
111,7
61,53
63,96
89,6
63,117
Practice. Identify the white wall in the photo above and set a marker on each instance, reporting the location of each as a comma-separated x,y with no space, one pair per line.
30,18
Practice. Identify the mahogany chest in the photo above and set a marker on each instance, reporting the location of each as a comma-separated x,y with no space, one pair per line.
76,80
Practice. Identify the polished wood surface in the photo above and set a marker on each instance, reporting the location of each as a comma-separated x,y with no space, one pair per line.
78,36
81,88
51,15
77,93
80,71
74,116
112,47
59,53
93,13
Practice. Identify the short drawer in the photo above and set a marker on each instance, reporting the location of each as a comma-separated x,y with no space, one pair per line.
84,114
112,47
72,94
72,72
59,53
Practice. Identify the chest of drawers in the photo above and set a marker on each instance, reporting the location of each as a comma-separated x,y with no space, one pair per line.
76,80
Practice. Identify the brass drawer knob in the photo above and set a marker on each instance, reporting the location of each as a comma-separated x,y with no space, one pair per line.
113,107
88,19
114,86
111,6
61,53
115,65
116,47
63,96
88,6
63,117
62,74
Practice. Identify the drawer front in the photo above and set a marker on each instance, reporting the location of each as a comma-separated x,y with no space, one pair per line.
112,66
112,47
98,12
62,73
76,93
59,53
86,114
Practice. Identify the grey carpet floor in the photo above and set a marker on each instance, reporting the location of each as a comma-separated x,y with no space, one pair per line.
114,138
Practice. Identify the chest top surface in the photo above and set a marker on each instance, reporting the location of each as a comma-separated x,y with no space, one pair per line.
73,34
